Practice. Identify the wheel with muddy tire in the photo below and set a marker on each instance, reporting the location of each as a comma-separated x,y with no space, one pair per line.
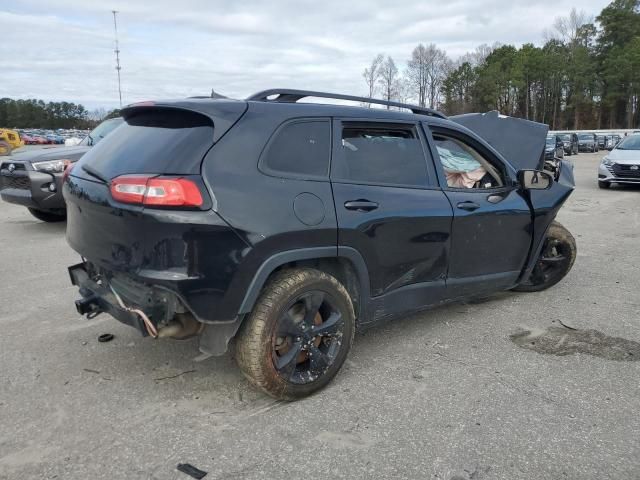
49,217
555,260
298,335
5,148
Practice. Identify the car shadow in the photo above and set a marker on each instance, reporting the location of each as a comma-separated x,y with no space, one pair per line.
36,226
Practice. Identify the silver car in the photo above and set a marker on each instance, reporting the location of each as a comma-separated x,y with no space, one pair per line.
622,164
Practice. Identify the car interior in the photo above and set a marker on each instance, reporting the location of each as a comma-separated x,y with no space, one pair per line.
464,167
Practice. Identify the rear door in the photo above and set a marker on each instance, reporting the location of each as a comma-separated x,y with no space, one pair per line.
391,210
492,225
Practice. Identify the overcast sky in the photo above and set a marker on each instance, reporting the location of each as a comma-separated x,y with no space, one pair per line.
63,49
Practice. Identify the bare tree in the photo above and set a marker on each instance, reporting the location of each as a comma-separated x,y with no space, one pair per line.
389,79
440,67
371,74
426,70
567,28
417,73
478,56
98,114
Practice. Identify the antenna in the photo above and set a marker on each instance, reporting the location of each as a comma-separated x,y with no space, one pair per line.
117,51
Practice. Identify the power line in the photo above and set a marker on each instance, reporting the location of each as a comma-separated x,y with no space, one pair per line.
117,51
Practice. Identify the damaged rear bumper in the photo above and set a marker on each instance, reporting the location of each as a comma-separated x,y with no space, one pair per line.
98,298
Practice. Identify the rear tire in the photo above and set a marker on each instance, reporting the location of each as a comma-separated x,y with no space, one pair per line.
300,312
604,185
554,262
48,217
5,149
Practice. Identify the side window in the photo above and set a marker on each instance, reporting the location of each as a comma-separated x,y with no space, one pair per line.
302,147
380,154
464,166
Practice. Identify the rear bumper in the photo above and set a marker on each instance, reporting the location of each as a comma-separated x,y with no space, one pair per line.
96,298
32,189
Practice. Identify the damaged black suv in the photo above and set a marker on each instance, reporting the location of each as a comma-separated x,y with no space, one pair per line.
285,226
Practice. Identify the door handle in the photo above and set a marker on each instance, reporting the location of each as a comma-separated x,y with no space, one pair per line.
360,205
469,206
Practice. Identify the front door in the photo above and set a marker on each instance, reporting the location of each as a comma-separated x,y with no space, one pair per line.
492,225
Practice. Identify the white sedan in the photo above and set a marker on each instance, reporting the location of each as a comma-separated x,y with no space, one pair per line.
622,164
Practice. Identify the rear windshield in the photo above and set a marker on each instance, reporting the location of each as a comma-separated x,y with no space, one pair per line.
163,141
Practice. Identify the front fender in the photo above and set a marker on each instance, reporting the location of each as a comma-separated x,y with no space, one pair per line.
545,205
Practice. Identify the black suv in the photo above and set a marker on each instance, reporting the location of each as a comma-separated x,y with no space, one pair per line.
570,143
286,225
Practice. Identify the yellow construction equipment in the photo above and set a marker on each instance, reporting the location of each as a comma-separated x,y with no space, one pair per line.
9,141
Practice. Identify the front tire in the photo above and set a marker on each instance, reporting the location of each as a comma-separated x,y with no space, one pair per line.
554,262
604,185
298,335
48,217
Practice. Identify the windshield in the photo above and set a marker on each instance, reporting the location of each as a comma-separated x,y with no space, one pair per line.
566,137
585,136
632,142
551,140
101,131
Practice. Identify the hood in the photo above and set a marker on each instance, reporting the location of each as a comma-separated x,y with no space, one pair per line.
520,142
50,153
624,157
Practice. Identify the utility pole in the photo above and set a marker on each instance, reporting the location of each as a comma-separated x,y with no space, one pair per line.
117,51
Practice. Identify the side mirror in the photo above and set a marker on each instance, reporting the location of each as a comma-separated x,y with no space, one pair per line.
535,179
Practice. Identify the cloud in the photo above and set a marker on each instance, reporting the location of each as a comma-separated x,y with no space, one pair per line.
63,49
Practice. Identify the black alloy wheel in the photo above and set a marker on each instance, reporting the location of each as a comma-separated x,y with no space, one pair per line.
554,261
298,335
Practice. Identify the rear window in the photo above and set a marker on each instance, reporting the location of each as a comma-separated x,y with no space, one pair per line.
300,148
158,140
378,154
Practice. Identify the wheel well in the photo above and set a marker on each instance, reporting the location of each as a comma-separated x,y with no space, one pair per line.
341,268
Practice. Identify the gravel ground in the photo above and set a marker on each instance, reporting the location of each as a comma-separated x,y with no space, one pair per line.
447,394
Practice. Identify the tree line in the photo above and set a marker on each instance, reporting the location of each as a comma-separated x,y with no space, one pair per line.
34,113
586,74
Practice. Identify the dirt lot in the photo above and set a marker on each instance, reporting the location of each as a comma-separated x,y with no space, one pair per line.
494,389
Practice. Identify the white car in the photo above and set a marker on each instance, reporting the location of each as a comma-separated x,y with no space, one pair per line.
622,164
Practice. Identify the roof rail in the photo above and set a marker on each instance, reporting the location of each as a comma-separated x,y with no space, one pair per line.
284,95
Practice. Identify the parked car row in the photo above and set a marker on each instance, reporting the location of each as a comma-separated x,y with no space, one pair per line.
49,137
576,142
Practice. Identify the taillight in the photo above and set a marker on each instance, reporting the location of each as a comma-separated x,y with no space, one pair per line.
156,191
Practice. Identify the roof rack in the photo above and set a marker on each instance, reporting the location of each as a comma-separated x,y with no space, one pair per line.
283,95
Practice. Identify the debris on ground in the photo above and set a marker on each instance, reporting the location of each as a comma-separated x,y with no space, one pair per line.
174,376
191,470
105,337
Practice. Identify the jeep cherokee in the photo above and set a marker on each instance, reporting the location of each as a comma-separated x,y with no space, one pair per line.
286,225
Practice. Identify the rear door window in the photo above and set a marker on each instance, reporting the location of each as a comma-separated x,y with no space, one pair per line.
299,148
380,154
159,140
